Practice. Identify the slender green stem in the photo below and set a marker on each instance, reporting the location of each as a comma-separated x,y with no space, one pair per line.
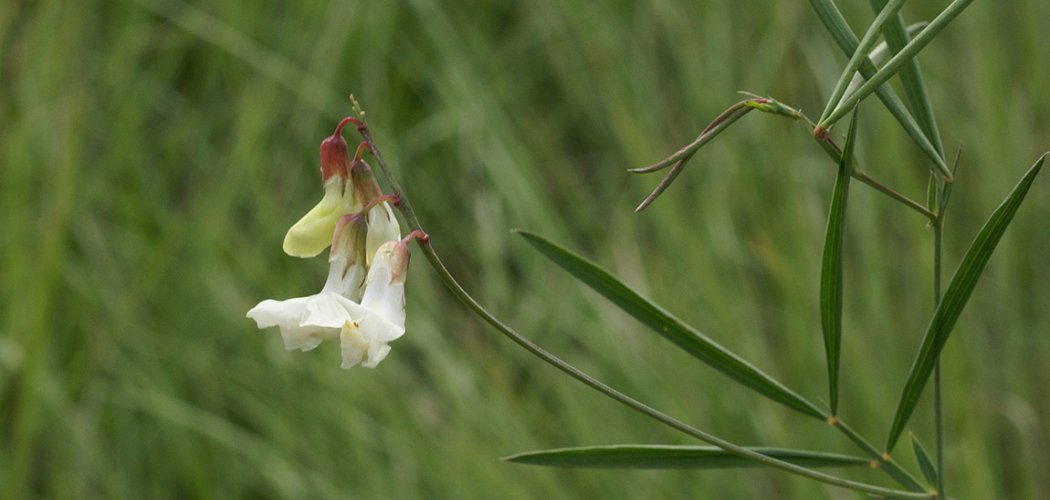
938,416
882,188
457,290
939,201
832,149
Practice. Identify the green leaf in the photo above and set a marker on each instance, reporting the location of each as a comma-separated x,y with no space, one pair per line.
911,78
889,12
631,456
879,55
831,267
929,471
905,55
842,34
955,298
670,327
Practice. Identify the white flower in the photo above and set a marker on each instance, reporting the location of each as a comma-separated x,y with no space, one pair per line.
363,328
305,322
383,305
363,301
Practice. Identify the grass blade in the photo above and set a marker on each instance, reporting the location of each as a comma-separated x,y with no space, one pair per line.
929,471
888,12
671,328
911,78
842,34
631,456
954,300
831,268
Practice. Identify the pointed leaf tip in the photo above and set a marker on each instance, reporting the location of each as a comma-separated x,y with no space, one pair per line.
929,471
955,298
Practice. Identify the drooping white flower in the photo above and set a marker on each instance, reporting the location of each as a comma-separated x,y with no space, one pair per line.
363,300
382,318
305,322
364,313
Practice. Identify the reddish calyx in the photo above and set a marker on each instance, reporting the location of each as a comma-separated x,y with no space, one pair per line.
335,155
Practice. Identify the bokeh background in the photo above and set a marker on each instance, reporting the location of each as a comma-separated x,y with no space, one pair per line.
153,152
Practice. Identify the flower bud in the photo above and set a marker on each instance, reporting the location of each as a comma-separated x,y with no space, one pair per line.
366,187
365,340
335,156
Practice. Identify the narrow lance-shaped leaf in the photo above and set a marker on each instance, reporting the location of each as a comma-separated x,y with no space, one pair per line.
631,456
878,55
671,328
911,78
954,300
831,268
929,471
890,68
861,54
842,34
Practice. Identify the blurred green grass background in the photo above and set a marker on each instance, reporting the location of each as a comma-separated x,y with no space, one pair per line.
153,152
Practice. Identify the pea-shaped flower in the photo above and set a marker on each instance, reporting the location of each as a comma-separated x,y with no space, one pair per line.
381,317
313,232
364,313
305,322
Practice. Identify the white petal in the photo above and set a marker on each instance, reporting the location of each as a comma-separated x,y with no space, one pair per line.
376,353
377,328
382,227
385,300
385,287
353,345
344,280
329,310
288,316
365,342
